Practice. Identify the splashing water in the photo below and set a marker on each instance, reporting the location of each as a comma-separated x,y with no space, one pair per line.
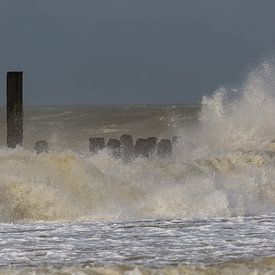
241,119
220,167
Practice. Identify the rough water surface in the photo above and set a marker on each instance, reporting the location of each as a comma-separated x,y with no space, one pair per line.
207,210
153,244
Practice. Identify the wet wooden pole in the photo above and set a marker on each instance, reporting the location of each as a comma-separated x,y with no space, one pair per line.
14,109
96,144
113,146
141,149
127,148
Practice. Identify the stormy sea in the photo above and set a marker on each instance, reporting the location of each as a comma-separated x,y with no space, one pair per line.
208,209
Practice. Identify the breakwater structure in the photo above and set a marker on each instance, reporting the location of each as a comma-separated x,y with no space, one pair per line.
124,148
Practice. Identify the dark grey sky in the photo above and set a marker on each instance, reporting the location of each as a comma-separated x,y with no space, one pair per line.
126,51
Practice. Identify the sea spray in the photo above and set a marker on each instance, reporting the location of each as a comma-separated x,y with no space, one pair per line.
220,166
69,187
243,118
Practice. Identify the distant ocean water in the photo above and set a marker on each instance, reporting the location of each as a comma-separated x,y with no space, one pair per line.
209,209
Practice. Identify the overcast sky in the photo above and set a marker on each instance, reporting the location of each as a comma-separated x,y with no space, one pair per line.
131,51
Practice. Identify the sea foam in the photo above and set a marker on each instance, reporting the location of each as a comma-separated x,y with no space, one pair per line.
220,167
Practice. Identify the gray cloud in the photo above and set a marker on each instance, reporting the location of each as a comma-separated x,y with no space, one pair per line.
125,51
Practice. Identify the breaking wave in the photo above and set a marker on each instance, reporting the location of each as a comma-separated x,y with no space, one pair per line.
243,118
222,167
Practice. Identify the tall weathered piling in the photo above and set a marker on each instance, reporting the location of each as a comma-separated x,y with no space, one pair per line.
96,144
127,148
113,146
14,109
165,148
141,148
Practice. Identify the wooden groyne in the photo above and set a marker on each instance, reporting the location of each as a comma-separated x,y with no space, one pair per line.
127,150
124,148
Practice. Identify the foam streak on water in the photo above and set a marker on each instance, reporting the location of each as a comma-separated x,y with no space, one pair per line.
148,243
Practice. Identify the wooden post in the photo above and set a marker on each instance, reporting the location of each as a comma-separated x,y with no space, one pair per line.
127,148
152,145
141,148
96,144
41,146
113,145
165,148
14,109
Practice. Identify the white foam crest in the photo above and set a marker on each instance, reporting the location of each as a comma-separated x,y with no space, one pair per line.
218,169
69,187
243,118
